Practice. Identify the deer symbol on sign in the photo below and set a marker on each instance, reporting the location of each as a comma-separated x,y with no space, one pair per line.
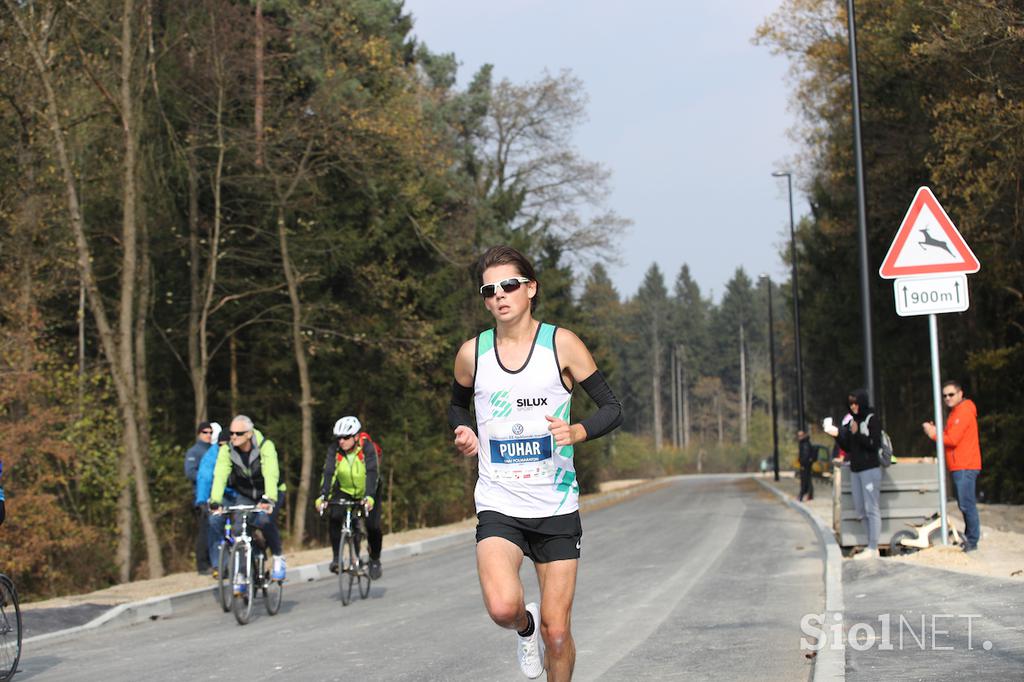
931,241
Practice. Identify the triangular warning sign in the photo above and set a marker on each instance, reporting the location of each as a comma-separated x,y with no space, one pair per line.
927,243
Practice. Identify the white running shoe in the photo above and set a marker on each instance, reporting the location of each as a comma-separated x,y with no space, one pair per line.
866,554
530,650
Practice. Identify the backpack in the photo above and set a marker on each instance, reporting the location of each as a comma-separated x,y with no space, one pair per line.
363,437
885,457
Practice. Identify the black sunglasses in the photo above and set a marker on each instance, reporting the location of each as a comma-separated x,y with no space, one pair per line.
207,432
948,395
238,433
507,285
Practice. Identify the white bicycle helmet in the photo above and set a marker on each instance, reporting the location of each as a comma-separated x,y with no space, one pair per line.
346,426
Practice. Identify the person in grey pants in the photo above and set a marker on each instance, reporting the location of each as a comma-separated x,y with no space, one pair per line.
860,437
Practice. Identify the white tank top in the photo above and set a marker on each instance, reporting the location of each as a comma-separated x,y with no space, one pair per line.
522,472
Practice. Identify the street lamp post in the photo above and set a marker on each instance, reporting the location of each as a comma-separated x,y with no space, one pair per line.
771,363
862,221
802,426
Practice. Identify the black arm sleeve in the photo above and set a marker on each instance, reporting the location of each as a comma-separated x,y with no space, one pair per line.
609,410
328,476
458,408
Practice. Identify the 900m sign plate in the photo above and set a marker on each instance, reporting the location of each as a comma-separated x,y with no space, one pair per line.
931,295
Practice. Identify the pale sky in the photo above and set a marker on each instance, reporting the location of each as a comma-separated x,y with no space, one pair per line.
687,113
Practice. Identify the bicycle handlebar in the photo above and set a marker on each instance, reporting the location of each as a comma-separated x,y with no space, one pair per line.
343,503
245,508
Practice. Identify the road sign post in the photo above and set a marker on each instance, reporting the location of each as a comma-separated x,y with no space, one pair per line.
940,445
929,261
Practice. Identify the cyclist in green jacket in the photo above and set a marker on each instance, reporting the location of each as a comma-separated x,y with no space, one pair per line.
351,473
248,463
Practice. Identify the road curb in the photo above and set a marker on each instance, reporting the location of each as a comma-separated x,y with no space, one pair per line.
163,606
830,663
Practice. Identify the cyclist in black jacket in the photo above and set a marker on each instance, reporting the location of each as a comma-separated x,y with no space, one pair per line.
351,473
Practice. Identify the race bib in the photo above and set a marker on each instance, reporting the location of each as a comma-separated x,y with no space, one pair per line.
520,442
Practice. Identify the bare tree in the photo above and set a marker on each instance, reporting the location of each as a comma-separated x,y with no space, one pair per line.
531,165
117,341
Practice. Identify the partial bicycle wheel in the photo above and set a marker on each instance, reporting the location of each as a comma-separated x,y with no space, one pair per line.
273,592
242,583
10,629
349,566
364,577
224,577
896,548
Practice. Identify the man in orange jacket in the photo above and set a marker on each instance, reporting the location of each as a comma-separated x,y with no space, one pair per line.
963,455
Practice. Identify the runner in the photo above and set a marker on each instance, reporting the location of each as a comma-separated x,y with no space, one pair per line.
521,374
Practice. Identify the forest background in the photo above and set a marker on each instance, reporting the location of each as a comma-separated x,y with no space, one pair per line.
274,207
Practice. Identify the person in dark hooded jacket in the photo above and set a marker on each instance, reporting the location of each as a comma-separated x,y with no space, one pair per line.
860,437
807,456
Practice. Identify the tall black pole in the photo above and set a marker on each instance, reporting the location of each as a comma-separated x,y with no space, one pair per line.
862,222
771,364
802,425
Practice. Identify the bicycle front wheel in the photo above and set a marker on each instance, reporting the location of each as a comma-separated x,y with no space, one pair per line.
364,578
10,629
349,566
273,591
242,582
224,576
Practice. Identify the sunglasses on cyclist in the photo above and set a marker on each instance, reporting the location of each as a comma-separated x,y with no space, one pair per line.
238,433
507,285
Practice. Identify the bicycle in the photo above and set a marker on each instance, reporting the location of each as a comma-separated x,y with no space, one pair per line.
248,570
10,628
351,568
928,534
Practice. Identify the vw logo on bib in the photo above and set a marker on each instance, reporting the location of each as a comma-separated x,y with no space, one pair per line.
517,429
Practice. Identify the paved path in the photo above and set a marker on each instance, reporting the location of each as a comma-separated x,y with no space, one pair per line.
706,577
911,622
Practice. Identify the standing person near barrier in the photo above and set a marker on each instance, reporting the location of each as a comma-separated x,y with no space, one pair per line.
248,463
860,437
351,472
963,455
204,483
204,436
521,374
806,456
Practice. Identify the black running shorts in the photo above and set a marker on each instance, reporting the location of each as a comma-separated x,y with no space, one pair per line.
551,538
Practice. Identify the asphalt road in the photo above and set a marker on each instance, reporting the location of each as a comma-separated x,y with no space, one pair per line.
910,622
705,578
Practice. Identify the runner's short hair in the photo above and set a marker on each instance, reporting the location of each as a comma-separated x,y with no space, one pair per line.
507,255
954,383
